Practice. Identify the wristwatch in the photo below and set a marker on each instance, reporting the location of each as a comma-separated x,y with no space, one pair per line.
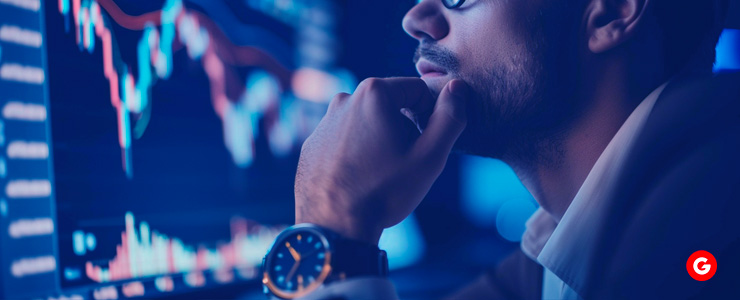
305,257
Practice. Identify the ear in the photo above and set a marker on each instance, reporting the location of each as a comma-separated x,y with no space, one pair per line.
609,23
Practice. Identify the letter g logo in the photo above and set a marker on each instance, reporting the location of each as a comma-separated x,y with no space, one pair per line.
704,269
701,265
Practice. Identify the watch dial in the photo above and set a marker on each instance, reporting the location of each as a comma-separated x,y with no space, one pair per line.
298,261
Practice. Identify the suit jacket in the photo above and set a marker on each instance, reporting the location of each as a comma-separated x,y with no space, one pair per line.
678,192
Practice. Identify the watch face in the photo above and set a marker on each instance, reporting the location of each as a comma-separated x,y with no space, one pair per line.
298,263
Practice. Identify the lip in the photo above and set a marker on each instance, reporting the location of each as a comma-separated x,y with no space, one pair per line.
429,69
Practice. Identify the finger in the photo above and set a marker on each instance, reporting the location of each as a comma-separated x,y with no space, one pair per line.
446,123
397,92
338,100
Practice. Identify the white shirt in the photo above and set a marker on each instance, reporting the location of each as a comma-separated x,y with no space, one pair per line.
558,247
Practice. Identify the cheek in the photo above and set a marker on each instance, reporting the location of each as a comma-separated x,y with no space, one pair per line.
489,38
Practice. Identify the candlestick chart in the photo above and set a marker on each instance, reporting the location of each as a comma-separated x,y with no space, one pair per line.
267,97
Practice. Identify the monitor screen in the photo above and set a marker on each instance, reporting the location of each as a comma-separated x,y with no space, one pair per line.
149,145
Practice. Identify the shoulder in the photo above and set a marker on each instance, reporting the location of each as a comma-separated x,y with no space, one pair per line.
693,127
679,192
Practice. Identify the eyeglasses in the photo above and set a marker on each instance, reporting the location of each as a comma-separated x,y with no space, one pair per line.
451,4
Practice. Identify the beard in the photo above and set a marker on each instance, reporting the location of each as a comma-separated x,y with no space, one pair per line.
518,113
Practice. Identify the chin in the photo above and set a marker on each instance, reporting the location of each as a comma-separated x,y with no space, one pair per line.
436,82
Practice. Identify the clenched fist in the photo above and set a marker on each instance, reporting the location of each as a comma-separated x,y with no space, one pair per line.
367,165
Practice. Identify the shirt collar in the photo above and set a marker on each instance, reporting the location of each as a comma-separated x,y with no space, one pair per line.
563,247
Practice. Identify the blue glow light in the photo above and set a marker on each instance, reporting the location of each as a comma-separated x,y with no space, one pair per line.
403,243
512,216
78,242
492,195
72,273
728,51
486,184
90,241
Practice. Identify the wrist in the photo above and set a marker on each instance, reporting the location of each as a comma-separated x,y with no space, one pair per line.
347,226
336,215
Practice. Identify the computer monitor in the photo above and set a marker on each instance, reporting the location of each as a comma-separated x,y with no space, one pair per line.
149,146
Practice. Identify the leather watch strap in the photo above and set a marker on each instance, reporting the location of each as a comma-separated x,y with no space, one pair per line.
355,258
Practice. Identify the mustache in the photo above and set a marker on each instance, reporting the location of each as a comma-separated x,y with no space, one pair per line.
440,56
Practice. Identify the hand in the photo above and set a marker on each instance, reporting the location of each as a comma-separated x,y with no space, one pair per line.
366,166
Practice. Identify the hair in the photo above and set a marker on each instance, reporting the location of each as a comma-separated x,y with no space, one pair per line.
690,29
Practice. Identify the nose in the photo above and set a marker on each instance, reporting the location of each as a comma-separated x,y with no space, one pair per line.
426,20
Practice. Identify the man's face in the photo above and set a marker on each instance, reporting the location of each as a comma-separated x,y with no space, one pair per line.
517,57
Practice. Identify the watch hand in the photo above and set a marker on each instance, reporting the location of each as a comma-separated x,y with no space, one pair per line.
292,271
293,253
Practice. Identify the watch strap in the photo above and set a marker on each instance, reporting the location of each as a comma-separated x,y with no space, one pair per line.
351,258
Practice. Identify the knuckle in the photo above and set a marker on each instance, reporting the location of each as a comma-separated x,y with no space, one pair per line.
371,85
338,100
373,92
339,97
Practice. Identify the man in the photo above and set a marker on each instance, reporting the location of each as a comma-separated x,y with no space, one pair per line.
606,110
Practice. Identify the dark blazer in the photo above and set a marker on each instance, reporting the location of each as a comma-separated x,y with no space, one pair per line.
679,192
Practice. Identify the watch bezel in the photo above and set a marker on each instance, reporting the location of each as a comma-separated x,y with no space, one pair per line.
326,270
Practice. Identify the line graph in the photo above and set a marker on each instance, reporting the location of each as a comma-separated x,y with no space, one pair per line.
269,98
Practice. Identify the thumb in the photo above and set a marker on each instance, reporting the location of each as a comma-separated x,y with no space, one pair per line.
446,122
